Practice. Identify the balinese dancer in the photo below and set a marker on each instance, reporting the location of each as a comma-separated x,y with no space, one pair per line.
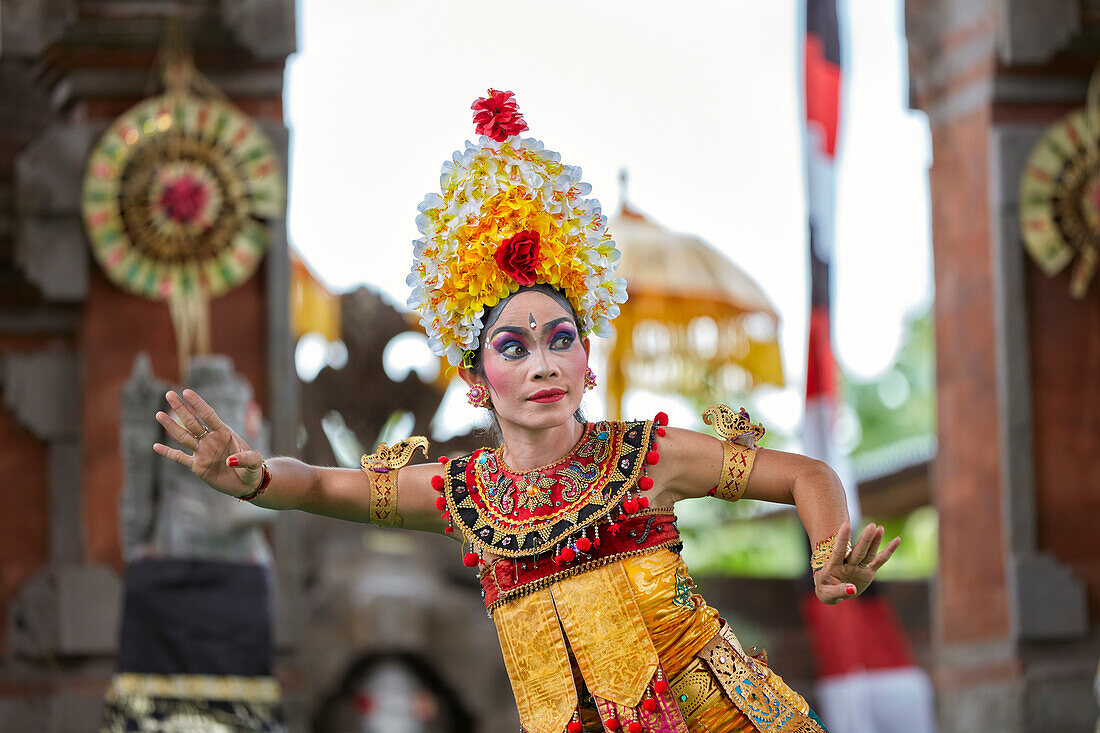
568,523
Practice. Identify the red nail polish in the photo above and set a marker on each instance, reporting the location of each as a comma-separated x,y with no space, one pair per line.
850,590
233,461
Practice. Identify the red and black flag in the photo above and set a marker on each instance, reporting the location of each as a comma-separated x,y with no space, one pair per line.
822,86
867,680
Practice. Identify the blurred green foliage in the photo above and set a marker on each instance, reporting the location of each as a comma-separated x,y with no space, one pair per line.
898,408
901,403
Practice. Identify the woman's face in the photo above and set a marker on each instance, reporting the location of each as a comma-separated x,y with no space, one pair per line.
534,362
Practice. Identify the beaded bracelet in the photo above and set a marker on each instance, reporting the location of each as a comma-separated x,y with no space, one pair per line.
822,551
262,487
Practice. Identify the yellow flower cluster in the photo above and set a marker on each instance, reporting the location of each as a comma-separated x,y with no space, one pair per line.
491,192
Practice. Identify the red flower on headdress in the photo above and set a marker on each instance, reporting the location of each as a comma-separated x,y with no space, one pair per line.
517,257
497,116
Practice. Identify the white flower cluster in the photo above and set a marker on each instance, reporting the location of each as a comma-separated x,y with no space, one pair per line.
489,192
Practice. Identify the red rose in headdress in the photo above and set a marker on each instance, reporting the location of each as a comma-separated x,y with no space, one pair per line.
517,257
497,116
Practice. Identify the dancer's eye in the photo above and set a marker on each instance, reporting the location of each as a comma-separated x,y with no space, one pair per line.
562,340
511,349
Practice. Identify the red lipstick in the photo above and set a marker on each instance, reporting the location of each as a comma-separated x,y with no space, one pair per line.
547,396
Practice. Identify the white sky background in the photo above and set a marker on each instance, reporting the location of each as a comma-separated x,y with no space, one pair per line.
702,104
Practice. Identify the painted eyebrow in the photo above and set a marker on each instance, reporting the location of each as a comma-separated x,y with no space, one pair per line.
546,327
520,332
507,329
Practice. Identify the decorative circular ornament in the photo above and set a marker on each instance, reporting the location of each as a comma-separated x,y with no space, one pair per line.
1060,198
175,194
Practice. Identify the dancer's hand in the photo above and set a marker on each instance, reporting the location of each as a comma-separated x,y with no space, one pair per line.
220,457
844,577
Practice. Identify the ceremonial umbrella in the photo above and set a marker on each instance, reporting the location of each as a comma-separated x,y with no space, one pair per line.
694,323
313,307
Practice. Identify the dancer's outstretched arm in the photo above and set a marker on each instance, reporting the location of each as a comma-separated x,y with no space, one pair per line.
692,463
225,462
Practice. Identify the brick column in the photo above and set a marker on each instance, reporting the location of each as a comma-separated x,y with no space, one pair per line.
1010,606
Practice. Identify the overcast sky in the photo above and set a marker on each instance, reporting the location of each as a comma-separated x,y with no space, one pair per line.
699,100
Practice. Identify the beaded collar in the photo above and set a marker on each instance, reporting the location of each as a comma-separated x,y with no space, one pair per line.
515,514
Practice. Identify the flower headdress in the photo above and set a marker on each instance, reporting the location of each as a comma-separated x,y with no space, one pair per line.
509,214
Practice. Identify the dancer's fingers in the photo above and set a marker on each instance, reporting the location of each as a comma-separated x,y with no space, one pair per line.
173,454
876,542
885,555
185,414
205,411
840,549
859,551
177,431
862,554
836,592
245,459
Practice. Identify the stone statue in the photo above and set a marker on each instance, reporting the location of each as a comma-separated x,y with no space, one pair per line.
195,649
165,512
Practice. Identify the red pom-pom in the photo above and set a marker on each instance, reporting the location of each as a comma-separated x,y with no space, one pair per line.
443,459
584,544
567,554
437,482
611,724
440,503
661,418
661,432
649,704
470,559
652,457
660,687
448,530
643,502
635,727
630,506
645,483
613,528
497,116
446,516
575,727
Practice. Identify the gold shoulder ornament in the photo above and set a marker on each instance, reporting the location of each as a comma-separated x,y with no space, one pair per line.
381,468
739,437
735,427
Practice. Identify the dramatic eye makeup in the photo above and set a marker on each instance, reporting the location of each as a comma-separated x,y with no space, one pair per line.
563,336
509,344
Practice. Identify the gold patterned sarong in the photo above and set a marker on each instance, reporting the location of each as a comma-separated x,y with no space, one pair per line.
623,621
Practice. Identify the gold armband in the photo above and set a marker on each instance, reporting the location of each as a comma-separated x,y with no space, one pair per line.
381,468
739,436
822,551
736,467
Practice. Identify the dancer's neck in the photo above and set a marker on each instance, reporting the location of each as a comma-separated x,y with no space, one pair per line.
528,448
